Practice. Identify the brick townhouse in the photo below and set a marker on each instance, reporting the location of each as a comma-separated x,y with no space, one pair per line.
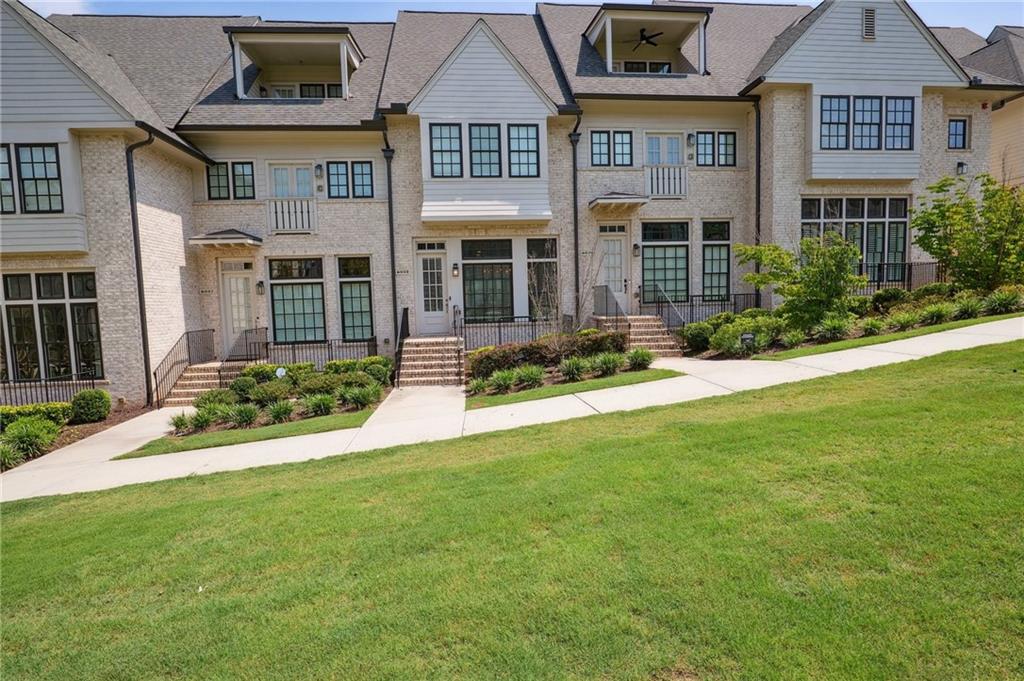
190,189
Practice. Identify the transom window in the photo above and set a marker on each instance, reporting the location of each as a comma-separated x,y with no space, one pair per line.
445,150
957,133
665,261
297,300
356,298
7,204
542,277
50,326
877,226
523,150
39,178
715,260
487,279
484,150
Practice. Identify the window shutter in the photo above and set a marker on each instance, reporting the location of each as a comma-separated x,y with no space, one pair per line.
868,23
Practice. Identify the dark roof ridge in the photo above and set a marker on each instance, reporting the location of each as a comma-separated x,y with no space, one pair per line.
438,11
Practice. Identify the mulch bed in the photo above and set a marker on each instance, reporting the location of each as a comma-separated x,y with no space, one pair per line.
70,434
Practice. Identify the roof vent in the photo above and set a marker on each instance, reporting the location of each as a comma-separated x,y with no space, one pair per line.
868,23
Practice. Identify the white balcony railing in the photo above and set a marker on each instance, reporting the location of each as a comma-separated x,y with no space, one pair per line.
291,216
665,180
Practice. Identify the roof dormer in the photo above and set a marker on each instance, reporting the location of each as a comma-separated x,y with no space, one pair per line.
295,61
637,39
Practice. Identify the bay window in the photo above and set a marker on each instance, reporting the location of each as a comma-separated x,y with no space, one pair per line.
6,181
484,150
39,178
523,150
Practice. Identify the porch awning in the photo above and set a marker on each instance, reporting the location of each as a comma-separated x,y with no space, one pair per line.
226,237
618,202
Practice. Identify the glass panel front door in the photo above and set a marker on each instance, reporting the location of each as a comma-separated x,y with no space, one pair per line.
612,251
238,309
430,289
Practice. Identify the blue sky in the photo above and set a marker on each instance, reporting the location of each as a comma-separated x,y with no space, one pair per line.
980,16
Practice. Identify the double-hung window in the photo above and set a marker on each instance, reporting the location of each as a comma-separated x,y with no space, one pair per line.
337,180
622,148
665,261
39,178
7,201
835,122
705,148
542,277
874,119
445,150
715,260
342,184
243,180
356,299
716,148
362,179
726,148
600,148
867,122
484,150
218,184
523,150
231,180
297,300
487,279
899,123
957,133
51,326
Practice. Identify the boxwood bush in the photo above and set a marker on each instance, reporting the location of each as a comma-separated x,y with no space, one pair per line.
320,384
243,387
58,412
697,336
546,352
263,373
215,396
639,359
728,339
90,406
31,436
273,391
341,366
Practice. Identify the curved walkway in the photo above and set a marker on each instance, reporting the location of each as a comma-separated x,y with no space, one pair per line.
411,415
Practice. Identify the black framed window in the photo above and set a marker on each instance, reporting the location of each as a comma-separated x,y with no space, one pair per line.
50,286
659,67
21,332
705,148
487,279
297,300
523,150
876,225
634,67
715,262
622,143
39,178
18,286
243,179
665,261
85,326
334,91
726,148
600,148
356,299
957,133
297,268
53,329
867,122
312,90
445,150
542,277
484,150
899,123
337,179
362,179
218,186
82,284
835,122
7,201
486,249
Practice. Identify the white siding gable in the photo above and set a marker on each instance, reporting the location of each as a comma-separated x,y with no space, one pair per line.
37,85
834,49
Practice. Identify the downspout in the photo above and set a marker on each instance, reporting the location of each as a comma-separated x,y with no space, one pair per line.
389,155
137,245
574,139
757,187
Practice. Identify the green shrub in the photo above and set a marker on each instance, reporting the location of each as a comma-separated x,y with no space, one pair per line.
833,327
341,366
968,307
719,320
380,373
872,326
766,330
792,338
273,391
31,436
215,396
221,413
754,313
297,372
901,321
547,352
376,361
319,384
1002,300
9,457
281,410
243,387
318,405
201,420
697,336
859,305
244,415
503,380
572,368
530,376
180,422
639,359
936,289
262,373
90,406
936,313
363,396
882,301
58,412
588,332
607,363
477,386
356,379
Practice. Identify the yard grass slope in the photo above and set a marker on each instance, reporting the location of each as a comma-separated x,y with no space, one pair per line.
558,389
868,526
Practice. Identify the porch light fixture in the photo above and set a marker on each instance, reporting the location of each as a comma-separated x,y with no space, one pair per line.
318,170
260,288
636,250
455,270
690,139
961,167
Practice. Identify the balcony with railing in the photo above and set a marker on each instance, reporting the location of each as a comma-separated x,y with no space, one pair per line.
665,181
291,215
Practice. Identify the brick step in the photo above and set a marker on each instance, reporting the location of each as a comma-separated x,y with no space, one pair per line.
430,364
177,402
413,382
650,334
188,392
430,342
208,375
197,384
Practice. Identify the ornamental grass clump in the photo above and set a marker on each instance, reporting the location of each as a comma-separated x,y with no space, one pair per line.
872,326
180,423
901,321
281,411
477,386
215,396
320,404
608,363
639,359
1003,300
530,376
201,420
835,326
9,457
968,307
792,338
31,436
363,396
503,380
244,415
936,313
572,369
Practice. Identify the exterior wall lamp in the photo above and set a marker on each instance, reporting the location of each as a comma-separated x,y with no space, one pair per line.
961,167
318,170
455,270
261,288
690,139
636,250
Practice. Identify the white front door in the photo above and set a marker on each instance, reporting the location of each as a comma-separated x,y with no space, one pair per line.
612,251
431,294
236,302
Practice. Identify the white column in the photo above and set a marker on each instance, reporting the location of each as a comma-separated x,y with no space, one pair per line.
344,69
608,43
701,48
237,58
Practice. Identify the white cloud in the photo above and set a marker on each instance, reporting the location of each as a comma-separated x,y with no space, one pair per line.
48,7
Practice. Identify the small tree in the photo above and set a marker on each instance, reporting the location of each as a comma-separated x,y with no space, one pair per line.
823,284
980,245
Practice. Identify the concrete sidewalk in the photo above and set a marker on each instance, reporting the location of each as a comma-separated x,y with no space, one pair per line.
412,415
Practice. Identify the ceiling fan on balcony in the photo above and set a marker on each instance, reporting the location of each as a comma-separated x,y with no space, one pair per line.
644,38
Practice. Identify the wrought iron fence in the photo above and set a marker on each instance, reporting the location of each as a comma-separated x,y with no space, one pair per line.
317,352
606,306
31,391
249,344
194,347
905,275
479,333
676,313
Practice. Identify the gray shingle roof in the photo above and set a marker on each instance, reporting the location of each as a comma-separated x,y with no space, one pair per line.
786,40
1003,58
423,40
737,36
958,41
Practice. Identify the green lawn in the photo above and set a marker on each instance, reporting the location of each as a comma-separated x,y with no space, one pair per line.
235,436
872,340
623,378
860,526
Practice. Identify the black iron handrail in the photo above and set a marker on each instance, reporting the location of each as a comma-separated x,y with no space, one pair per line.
403,333
606,305
194,347
904,275
55,389
317,352
693,308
